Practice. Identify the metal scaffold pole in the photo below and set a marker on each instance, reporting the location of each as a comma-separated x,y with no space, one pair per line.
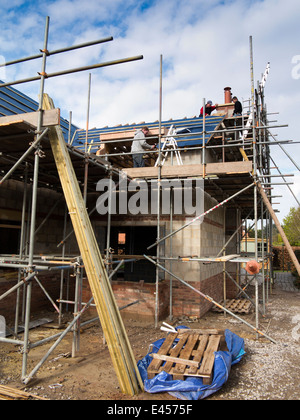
34,203
124,362
200,216
112,324
210,299
158,195
254,176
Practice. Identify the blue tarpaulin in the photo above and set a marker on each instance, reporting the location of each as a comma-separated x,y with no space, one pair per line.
192,388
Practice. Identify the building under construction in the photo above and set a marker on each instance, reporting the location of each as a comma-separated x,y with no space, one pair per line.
156,262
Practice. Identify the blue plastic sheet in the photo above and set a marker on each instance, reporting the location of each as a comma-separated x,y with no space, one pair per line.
192,388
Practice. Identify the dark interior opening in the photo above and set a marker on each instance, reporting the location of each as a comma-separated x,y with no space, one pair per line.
133,241
9,240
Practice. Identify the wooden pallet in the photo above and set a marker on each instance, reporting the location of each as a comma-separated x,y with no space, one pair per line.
235,306
191,355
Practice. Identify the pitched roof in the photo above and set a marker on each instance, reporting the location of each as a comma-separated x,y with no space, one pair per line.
192,127
12,101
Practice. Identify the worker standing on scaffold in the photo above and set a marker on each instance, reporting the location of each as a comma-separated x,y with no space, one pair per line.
139,145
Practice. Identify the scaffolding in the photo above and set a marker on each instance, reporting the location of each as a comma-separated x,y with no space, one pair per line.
242,176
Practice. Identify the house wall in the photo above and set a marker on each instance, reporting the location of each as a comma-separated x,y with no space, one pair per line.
46,241
191,157
199,239
51,233
39,301
129,292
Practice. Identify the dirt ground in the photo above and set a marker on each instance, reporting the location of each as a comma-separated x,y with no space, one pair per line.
267,371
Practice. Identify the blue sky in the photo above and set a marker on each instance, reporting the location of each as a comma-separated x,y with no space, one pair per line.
204,44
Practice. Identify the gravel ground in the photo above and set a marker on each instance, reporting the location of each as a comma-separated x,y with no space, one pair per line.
267,371
270,371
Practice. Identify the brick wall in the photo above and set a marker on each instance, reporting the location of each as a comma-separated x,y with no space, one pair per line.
185,301
128,292
188,302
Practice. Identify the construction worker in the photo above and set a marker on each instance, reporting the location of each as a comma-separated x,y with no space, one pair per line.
139,145
238,109
209,108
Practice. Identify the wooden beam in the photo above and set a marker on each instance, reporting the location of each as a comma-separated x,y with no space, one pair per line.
108,312
185,362
50,118
182,171
280,230
129,134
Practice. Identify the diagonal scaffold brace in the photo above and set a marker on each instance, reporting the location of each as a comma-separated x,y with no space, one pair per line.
201,215
210,299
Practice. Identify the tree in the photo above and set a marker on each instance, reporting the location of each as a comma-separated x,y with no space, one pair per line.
291,226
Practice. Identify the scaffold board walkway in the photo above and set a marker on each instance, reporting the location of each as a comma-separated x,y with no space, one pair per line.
187,354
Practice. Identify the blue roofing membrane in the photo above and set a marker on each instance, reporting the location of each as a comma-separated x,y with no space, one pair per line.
192,127
12,101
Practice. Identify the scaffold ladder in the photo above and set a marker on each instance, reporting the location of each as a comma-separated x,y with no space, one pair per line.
250,118
169,144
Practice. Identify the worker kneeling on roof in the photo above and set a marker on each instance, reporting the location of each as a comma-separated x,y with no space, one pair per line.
209,108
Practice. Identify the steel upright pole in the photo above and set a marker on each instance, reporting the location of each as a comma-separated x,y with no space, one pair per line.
34,203
158,195
203,142
62,271
22,242
254,173
86,164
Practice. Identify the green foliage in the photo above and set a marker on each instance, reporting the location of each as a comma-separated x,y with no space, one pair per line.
291,226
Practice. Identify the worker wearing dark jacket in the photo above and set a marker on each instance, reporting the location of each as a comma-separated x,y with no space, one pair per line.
209,108
238,109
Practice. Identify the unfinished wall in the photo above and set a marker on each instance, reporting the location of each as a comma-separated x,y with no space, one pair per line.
46,241
198,240
51,233
39,301
186,302
130,292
